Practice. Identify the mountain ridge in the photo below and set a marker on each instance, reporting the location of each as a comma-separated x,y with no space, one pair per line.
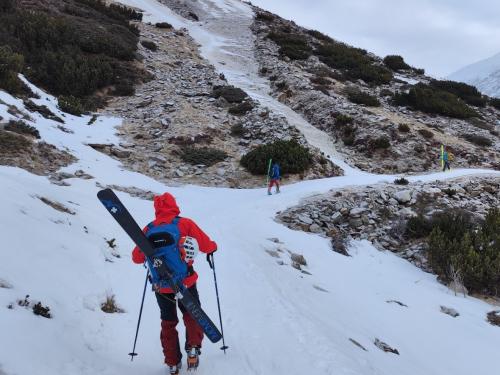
484,74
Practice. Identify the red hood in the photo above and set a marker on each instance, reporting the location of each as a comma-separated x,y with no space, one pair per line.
166,207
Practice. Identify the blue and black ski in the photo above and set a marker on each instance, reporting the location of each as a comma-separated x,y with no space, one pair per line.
116,208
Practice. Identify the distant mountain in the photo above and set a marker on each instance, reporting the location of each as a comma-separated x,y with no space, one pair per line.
485,75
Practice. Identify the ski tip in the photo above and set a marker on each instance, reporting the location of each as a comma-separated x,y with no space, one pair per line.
103,191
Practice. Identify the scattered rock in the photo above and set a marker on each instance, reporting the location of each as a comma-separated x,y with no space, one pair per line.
494,318
57,206
358,344
273,253
449,311
320,289
385,347
299,259
403,196
4,284
397,302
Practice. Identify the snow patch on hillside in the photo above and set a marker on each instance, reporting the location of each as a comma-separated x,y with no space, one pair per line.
485,75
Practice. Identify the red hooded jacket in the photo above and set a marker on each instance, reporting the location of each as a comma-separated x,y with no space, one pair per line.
166,210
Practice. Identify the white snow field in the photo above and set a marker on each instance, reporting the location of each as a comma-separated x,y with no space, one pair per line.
277,320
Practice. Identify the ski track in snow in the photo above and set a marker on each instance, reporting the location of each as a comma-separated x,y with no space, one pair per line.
275,320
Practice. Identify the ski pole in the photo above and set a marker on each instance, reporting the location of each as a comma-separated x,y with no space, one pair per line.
133,354
211,262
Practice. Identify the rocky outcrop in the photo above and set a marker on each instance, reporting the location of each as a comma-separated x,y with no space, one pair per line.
178,109
25,152
379,213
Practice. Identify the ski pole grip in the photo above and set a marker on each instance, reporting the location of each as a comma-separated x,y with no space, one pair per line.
210,258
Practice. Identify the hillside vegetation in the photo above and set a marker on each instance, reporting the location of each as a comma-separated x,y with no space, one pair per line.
72,48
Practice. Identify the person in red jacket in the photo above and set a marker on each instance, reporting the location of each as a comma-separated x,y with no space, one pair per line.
166,210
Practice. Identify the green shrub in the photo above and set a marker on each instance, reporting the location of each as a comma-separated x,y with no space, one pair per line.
450,192
386,93
431,100
495,102
291,156
467,93
372,74
342,120
282,85
478,140
21,127
401,181
478,123
202,155
348,134
71,105
318,80
125,88
238,130
320,36
264,16
10,65
380,143
163,25
469,248
116,11
241,108
294,46
73,48
396,63
404,128
149,45
418,227
355,63
363,98
7,5
325,89
230,93
427,134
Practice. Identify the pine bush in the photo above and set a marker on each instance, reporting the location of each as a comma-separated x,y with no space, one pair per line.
396,63
434,101
291,156
472,249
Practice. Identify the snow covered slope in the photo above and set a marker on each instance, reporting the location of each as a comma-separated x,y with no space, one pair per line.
485,75
271,311
277,320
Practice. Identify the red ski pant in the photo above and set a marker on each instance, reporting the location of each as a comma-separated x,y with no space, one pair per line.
169,336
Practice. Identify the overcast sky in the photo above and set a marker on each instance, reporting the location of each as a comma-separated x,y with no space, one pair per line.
440,36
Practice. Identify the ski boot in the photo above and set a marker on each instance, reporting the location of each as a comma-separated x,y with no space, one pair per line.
193,358
174,370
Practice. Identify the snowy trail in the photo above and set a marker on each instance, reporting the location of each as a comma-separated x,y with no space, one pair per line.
228,43
276,319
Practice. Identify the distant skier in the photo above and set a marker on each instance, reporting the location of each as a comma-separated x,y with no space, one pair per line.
274,178
167,212
447,158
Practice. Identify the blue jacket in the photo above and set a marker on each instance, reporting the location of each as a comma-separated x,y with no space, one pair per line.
275,172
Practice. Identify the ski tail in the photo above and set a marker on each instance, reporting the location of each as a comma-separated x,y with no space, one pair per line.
116,208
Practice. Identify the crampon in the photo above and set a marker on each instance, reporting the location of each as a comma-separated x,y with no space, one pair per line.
193,358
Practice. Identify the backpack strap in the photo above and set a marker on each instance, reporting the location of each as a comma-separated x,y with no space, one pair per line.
176,220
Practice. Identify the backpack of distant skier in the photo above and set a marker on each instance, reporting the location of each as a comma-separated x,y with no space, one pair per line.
165,239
